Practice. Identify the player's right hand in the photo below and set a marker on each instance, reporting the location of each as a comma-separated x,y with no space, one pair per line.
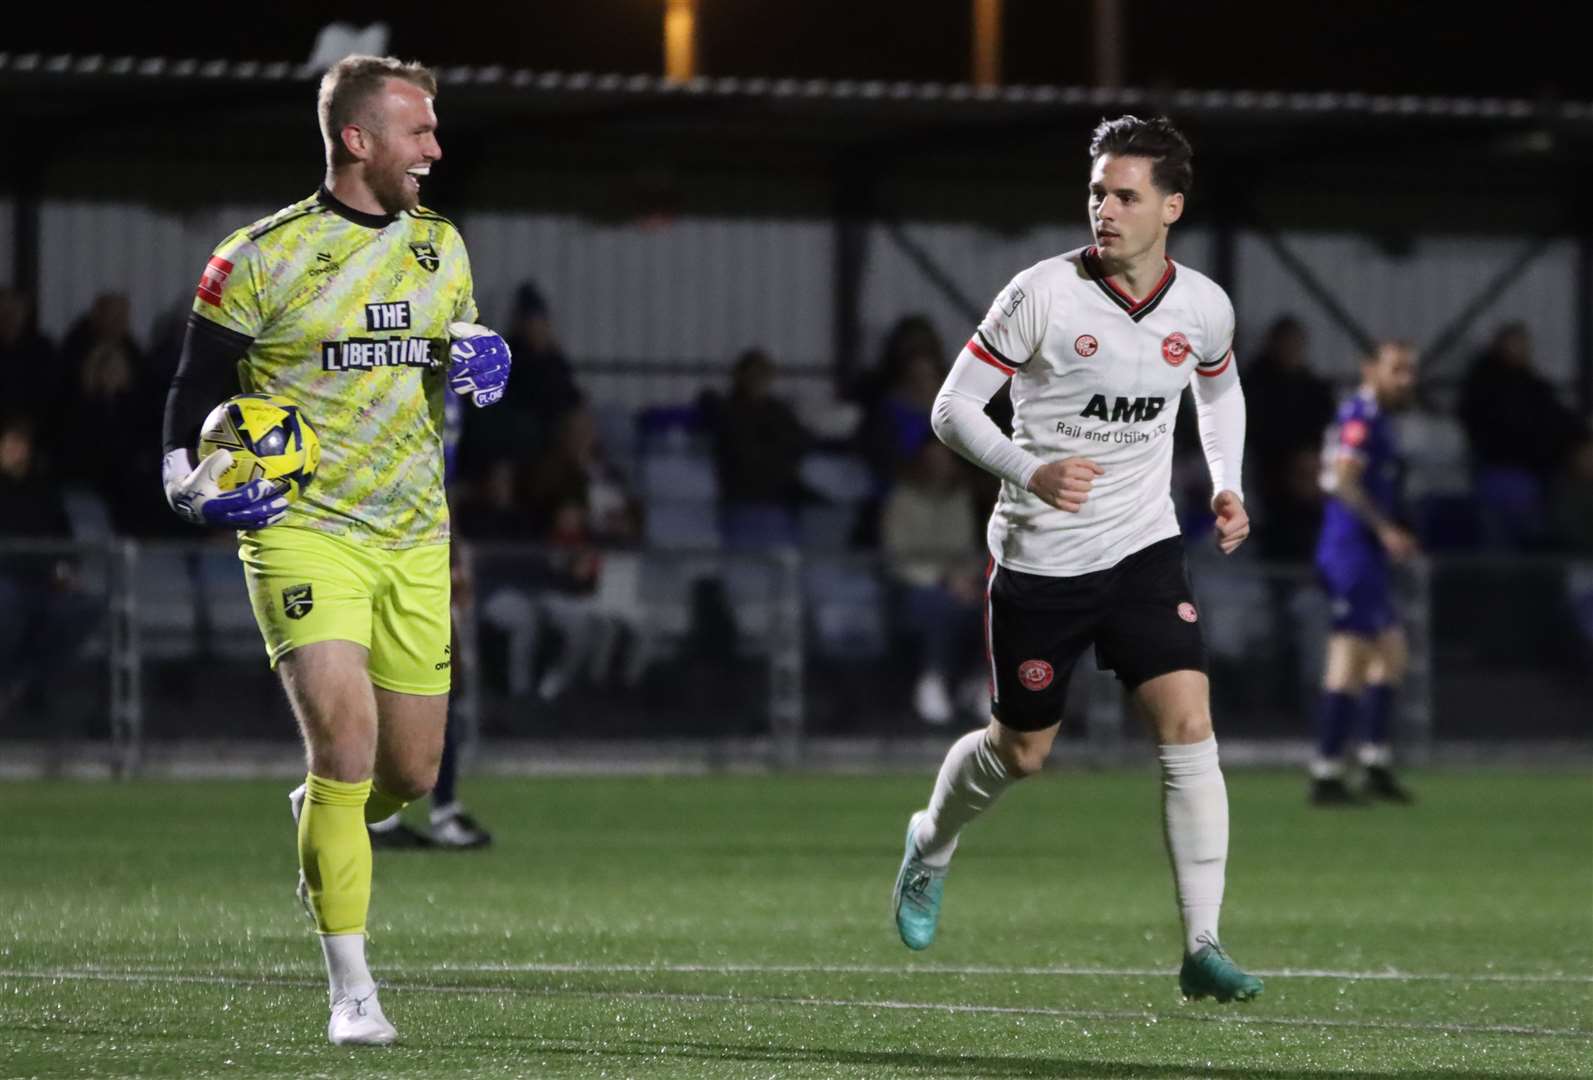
1065,484
1398,542
196,497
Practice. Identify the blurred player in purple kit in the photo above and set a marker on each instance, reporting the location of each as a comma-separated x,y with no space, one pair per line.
1362,474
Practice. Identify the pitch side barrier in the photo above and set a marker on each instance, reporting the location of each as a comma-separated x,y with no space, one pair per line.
118,655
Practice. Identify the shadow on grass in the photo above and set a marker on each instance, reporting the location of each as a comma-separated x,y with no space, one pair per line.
907,1063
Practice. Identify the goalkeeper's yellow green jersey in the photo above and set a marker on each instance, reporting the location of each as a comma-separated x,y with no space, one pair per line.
348,314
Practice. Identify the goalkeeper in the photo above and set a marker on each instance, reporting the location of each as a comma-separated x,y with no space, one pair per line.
356,303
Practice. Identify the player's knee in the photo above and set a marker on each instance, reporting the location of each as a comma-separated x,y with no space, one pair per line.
1022,758
411,781
1183,728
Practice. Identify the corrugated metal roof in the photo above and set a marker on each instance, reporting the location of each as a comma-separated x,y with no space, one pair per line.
523,81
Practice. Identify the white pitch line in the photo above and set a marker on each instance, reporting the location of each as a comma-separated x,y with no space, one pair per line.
838,1003
1053,971
576,968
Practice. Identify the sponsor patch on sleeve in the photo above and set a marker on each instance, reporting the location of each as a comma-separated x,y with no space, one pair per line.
214,280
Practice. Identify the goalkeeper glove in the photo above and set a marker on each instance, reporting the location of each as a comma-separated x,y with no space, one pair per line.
197,498
479,363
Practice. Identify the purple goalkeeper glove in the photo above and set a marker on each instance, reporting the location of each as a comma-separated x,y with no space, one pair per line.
479,363
196,497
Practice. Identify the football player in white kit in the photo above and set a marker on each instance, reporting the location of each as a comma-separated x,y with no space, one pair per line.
1085,549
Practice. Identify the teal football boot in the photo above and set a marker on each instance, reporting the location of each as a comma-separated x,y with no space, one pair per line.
1210,973
916,900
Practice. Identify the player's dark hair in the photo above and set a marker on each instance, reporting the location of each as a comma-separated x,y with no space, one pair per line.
1171,155
348,87
1374,353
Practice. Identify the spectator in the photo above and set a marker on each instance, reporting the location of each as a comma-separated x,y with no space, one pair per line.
577,472
928,532
896,399
910,334
574,505
1523,438
47,619
495,512
1288,407
1573,504
113,405
759,443
28,368
541,392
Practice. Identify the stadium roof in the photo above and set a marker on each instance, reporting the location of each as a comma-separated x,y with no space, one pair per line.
36,70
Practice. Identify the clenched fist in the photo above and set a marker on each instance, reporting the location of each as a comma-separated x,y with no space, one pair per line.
1065,484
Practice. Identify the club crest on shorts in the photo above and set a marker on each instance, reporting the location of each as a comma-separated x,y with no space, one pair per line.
297,600
426,255
1085,345
1035,674
1175,348
1186,611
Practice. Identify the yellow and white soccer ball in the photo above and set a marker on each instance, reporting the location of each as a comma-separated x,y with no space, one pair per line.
269,438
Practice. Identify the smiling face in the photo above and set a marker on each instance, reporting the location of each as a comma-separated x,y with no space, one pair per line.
1129,215
395,141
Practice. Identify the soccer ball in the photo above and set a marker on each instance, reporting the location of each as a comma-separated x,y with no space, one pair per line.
270,439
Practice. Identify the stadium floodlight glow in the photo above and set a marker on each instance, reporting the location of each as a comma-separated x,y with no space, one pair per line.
680,39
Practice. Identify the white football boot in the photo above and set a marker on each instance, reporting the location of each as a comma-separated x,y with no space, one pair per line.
358,1021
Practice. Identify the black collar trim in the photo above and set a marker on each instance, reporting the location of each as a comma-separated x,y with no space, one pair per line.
348,213
1134,309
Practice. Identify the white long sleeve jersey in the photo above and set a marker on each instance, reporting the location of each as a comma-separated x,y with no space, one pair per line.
1095,375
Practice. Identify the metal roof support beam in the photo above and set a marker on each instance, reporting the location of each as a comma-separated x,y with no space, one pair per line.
1314,285
1584,320
854,207
1486,297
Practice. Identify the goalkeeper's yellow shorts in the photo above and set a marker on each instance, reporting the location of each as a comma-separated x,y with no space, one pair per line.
307,586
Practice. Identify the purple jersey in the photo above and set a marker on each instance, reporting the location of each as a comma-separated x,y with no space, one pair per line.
1363,432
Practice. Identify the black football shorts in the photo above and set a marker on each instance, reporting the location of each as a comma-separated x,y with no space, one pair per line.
1140,616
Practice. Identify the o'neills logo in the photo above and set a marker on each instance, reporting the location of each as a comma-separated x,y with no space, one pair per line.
359,354
1035,674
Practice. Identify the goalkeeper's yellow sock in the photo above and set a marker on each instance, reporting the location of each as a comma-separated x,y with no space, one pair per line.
381,806
335,853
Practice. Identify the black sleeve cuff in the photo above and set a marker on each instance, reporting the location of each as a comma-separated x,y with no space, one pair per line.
207,374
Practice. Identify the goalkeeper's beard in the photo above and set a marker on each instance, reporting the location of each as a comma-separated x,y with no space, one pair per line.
390,184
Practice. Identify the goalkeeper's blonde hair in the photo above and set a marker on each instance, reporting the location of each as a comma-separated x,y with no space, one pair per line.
348,88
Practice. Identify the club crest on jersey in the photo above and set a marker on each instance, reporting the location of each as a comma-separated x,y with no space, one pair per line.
1035,675
1175,348
426,254
1186,611
1085,345
297,600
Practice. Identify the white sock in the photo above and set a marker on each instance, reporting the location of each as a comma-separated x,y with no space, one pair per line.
969,781
345,965
1195,815
387,824
440,814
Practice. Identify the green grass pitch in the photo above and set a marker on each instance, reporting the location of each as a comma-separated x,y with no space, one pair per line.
739,927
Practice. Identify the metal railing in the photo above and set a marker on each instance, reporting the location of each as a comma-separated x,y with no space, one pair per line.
783,646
